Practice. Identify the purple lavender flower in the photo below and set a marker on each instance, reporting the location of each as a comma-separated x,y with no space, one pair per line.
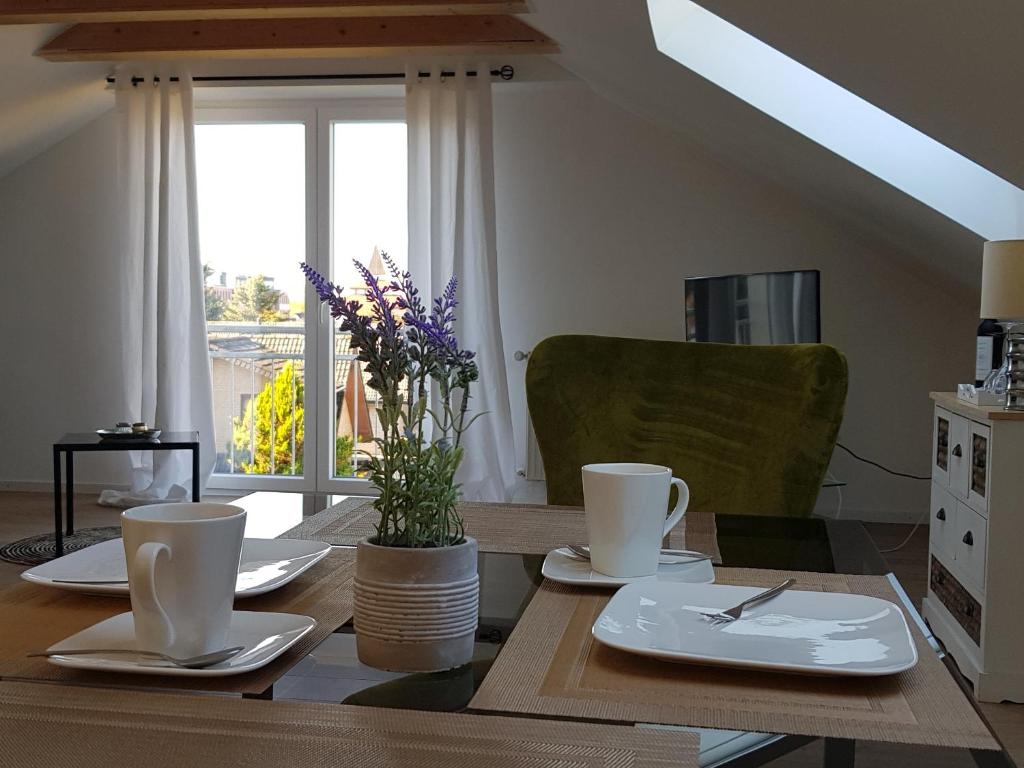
414,470
383,307
376,339
325,289
419,346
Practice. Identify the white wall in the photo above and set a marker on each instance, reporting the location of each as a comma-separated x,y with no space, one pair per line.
602,215
57,253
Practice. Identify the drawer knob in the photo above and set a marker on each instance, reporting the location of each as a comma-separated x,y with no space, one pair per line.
941,514
969,539
958,451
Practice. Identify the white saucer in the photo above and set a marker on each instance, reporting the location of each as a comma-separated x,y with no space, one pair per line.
263,637
560,566
266,564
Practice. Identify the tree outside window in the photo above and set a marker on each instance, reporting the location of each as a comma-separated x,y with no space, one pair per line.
276,415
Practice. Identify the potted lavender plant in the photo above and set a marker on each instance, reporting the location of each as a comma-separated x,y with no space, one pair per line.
416,586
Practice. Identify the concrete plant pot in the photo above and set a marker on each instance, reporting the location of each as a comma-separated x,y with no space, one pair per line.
416,610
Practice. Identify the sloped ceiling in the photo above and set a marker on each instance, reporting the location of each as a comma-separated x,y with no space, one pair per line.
612,48
42,103
937,64
949,68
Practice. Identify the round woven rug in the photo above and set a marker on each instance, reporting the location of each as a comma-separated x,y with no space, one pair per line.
36,550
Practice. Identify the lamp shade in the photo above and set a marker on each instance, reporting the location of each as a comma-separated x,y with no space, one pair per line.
1002,280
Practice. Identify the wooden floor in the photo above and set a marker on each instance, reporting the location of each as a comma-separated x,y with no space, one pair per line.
29,514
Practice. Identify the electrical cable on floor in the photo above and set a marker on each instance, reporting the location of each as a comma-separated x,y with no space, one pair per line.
893,472
910,535
839,493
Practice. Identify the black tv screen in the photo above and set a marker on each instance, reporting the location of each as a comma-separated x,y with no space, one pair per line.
763,308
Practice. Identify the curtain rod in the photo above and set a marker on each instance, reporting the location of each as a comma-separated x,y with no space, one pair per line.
506,72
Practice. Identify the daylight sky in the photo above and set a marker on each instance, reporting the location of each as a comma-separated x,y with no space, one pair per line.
252,198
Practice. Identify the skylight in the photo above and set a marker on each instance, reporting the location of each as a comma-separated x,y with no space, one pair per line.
837,119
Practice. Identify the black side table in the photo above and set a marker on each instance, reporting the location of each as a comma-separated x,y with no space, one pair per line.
86,441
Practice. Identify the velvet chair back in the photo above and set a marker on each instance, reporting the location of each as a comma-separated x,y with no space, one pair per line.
749,428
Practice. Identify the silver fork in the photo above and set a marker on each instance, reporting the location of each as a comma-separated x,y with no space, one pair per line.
731,614
191,662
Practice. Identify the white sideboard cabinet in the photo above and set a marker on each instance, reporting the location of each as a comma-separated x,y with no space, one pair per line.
975,600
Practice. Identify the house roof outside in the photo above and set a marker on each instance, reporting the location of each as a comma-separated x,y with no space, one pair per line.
265,346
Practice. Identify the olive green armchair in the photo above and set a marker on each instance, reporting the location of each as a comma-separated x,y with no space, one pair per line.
749,428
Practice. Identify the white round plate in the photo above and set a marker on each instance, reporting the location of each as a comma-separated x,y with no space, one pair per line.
263,637
561,566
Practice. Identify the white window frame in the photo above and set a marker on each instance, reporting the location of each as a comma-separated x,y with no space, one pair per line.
317,117
349,110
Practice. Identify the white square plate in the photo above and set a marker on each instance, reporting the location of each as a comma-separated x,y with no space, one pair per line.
822,633
262,636
266,564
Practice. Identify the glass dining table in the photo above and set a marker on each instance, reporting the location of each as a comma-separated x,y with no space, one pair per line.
331,672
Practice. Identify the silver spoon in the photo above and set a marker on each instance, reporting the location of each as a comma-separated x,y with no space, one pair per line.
666,557
192,662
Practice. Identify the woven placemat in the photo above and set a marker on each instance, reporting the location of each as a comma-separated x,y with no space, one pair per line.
552,666
89,728
510,528
36,617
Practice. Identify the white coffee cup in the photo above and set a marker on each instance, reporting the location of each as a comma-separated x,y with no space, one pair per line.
182,568
625,511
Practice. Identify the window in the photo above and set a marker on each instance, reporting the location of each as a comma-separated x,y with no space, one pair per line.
276,187
368,223
252,231
837,119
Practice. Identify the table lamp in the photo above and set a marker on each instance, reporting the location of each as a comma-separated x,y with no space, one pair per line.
1002,298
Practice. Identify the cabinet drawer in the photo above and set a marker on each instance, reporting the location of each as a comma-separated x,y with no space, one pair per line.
971,542
941,433
959,456
978,481
958,601
942,519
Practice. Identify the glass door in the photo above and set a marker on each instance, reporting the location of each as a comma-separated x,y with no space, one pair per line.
278,186
255,184
365,220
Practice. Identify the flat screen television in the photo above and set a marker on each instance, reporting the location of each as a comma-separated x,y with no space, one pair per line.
762,308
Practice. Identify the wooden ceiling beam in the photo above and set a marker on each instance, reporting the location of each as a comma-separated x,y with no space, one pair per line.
76,11
297,38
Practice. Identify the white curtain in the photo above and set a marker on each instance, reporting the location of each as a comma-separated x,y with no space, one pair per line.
165,356
452,231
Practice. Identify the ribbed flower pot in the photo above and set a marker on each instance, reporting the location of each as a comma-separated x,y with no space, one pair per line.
416,610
